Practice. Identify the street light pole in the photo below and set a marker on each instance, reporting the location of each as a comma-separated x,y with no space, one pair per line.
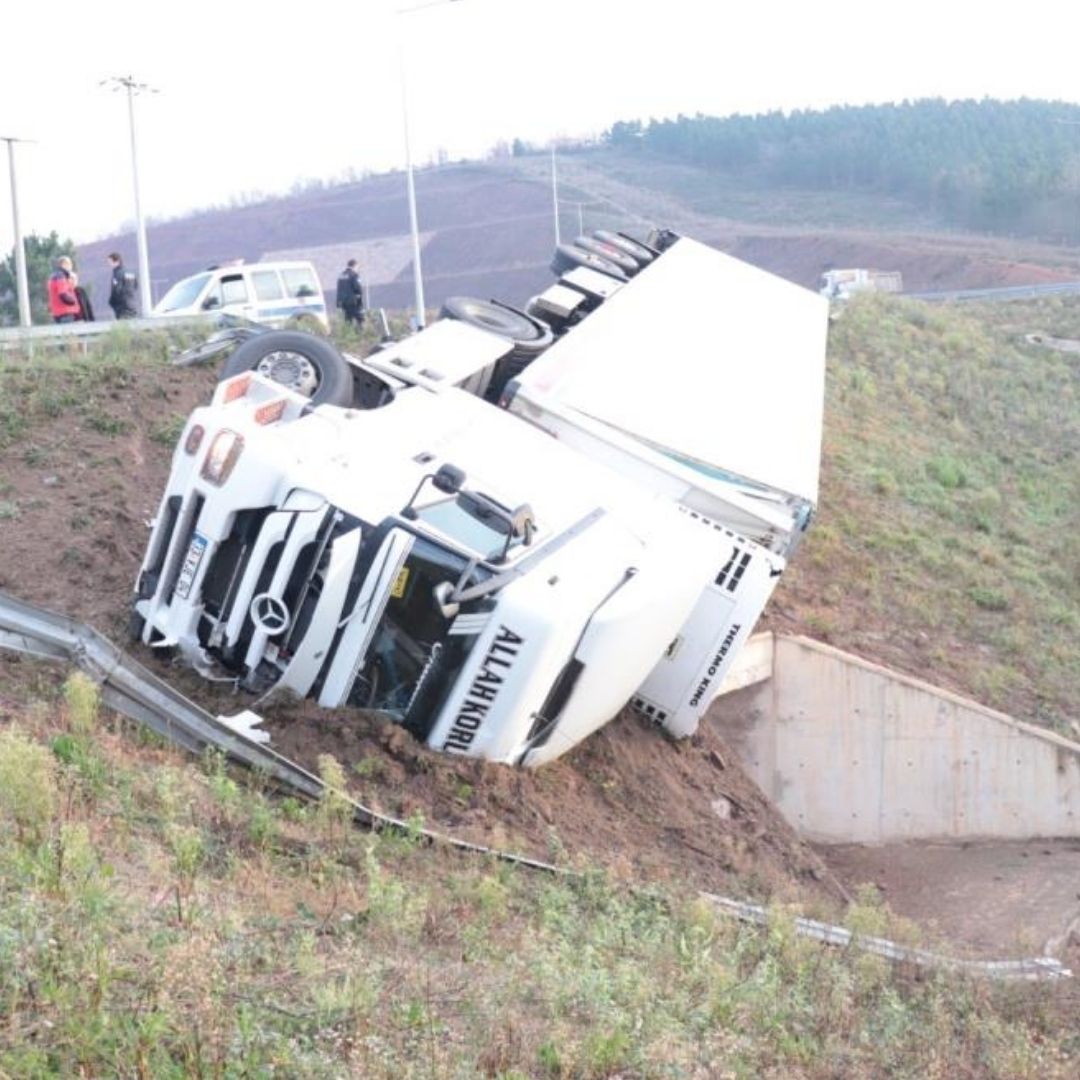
420,318
128,83
21,286
555,194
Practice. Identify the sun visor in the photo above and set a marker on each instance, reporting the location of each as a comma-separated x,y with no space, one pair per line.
703,357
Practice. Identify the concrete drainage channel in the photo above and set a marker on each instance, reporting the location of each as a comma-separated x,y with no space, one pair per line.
132,690
966,820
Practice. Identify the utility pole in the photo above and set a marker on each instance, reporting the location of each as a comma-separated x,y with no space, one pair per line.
21,286
128,83
555,194
420,318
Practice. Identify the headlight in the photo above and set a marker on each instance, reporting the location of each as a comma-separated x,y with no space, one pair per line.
222,456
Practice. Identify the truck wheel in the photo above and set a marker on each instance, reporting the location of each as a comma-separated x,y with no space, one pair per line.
567,257
529,335
304,363
626,263
631,247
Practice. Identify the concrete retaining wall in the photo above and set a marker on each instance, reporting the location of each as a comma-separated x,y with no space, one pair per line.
852,752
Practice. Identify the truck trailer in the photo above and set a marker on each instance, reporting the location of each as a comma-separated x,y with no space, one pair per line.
502,529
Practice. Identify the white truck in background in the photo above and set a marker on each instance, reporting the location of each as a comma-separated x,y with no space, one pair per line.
502,529
842,284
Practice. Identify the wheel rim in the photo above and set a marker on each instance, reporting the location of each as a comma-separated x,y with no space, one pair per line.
291,369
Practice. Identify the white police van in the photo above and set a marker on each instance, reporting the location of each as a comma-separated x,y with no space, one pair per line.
275,294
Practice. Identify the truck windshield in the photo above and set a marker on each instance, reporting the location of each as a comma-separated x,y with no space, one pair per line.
414,657
486,536
183,294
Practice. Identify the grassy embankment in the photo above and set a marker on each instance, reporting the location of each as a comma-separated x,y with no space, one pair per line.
948,540
159,918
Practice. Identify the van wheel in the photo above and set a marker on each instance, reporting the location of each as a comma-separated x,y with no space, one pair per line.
304,363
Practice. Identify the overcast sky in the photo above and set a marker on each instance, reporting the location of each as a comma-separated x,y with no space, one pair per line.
255,96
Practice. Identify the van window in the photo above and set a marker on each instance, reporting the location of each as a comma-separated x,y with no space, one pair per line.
184,293
233,290
267,285
300,281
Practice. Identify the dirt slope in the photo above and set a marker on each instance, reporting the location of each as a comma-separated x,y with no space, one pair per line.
84,454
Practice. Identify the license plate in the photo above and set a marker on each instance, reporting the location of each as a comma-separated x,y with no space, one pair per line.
196,550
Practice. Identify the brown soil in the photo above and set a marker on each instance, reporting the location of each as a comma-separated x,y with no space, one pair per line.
994,899
79,488
928,264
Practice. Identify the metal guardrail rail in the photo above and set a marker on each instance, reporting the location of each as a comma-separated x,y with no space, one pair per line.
1004,292
81,334
134,691
1032,969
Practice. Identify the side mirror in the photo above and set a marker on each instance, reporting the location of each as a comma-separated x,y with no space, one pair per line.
523,524
449,479
210,303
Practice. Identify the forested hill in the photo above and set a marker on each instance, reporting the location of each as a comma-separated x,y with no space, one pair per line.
1001,166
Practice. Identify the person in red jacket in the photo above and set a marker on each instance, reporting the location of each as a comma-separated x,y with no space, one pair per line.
63,301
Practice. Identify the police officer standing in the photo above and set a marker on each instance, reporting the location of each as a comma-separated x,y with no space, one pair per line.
350,294
122,289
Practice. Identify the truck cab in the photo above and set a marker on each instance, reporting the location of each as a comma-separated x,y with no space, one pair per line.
502,580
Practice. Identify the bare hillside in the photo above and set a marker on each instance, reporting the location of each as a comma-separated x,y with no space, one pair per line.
487,229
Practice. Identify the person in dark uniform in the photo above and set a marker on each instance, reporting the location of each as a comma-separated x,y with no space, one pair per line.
350,294
122,289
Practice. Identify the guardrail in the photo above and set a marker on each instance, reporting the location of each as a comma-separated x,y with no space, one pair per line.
1005,292
81,334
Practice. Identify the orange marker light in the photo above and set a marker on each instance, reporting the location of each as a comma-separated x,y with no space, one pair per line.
237,387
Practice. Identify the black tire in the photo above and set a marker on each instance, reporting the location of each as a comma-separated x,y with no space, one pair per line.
626,263
567,257
530,335
305,363
631,247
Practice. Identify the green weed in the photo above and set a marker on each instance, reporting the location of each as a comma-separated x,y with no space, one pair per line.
28,787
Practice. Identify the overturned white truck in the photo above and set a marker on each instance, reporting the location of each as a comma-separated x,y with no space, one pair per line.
502,529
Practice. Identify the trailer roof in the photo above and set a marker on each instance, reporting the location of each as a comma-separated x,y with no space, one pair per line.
704,357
